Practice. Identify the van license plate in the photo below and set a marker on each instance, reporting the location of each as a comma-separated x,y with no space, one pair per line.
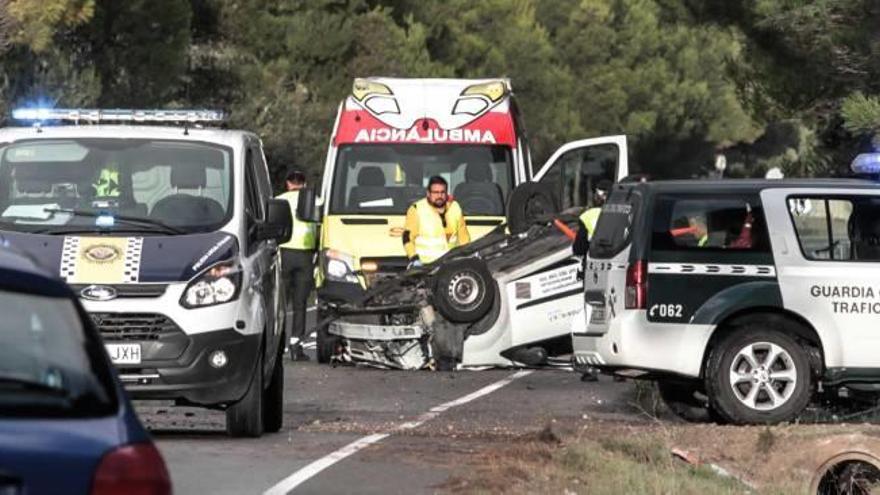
124,353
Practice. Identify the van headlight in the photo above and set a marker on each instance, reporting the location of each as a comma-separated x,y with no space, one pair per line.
340,267
217,285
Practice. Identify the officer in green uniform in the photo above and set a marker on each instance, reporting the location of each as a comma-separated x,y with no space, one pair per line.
298,264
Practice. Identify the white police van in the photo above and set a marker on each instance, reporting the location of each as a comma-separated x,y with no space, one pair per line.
169,232
740,298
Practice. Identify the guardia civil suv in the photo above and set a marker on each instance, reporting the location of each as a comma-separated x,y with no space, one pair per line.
738,297
165,227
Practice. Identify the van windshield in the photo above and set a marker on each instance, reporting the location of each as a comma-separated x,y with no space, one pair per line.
615,225
64,185
387,179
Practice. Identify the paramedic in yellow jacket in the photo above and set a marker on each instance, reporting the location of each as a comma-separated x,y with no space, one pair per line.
434,225
298,264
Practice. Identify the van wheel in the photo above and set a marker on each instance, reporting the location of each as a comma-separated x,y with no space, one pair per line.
527,203
463,290
273,396
685,401
325,344
759,375
245,417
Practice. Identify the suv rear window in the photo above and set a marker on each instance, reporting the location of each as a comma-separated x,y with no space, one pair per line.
706,223
615,225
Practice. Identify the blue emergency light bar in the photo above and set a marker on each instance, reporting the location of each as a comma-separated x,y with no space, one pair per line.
117,115
866,163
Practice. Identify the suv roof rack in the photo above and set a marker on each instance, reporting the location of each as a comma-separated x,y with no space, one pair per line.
96,116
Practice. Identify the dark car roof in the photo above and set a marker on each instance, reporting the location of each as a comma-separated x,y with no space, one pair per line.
743,185
20,273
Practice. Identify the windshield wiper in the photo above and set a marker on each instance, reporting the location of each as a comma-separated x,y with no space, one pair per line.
122,218
11,382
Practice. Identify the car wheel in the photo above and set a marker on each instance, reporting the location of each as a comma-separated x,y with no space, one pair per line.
273,397
464,290
759,375
685,400
245,417
527,203
325,343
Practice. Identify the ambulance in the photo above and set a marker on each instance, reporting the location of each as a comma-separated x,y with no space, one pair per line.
391,135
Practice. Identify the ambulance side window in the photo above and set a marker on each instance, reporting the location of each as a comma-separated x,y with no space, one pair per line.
842,228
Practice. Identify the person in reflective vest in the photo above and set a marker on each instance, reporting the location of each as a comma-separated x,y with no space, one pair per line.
587,224
590,218
434,225
298,264
107,183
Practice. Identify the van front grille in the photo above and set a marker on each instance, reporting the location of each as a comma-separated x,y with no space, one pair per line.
133,326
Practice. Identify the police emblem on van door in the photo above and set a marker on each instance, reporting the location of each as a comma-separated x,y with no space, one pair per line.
101,253
98,293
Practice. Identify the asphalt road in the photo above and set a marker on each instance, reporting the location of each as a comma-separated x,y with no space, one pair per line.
327,409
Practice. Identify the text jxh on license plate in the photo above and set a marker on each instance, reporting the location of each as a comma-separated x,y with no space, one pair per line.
124,353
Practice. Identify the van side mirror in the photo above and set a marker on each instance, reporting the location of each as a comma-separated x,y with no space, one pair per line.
279,221
307,208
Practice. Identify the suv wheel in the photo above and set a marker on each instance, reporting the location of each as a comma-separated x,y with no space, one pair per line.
245,417
273,396
685,400
759,375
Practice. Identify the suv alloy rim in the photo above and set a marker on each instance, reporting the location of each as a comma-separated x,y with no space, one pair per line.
763,376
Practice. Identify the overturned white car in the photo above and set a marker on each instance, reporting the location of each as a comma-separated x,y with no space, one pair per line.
506,299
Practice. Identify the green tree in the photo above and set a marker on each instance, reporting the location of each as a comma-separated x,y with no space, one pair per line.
140,49
295,61
662,81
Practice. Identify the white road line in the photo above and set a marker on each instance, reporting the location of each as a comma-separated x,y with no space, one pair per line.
313,308
294,480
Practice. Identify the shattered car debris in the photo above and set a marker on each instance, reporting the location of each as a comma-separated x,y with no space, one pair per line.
503,300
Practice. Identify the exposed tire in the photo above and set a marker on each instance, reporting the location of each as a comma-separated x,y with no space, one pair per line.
245,417
685,400
527,203
325,344
464,290
273,397
758,375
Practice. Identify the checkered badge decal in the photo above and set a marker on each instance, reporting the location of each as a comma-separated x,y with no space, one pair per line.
69,253
133,259
101,260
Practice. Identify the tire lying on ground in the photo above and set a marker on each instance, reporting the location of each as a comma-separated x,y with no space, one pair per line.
684,400
325,343
527,203
464,290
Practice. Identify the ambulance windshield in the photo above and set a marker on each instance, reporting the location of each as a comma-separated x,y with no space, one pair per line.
65,185
385,179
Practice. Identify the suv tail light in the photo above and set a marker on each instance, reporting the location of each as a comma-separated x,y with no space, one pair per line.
636,295
135,469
